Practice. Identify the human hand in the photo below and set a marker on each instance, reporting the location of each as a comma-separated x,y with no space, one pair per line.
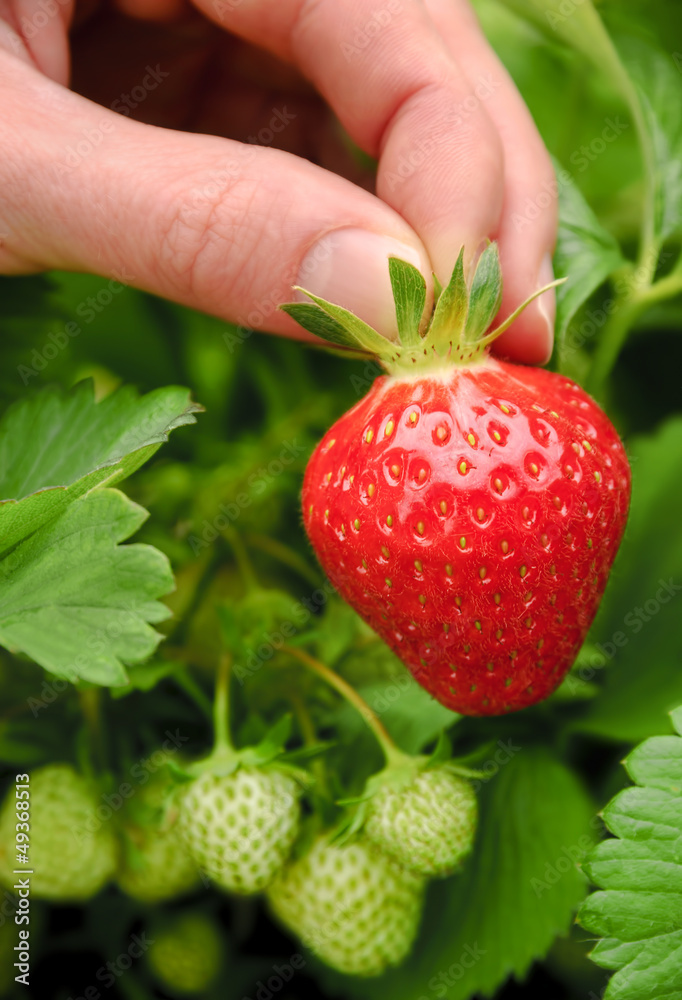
228,227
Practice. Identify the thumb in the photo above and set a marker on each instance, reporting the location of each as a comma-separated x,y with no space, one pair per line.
214,224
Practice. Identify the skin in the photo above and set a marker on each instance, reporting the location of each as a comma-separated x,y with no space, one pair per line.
215,177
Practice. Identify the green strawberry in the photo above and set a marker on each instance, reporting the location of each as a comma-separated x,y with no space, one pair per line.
157,866
72,852
185,955
351,905
426,822
240,827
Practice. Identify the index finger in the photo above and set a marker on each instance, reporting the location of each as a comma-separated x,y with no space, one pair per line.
400,95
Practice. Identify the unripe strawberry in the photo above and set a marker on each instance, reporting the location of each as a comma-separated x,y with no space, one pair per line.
156,864
351,905
426,824
240,827
185,954
72,853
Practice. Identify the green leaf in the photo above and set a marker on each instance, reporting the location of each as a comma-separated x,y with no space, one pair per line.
345,327
485,294
637,640
515,894
659,87
450,314
79,603
585,253
638,910
55,446
145,676
409,293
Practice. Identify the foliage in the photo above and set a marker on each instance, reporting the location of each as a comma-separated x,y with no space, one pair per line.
205,550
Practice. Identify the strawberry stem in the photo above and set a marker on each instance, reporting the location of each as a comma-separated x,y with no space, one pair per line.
393,755
221,706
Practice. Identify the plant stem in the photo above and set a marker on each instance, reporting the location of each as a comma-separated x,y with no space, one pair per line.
278,550
186,683
221,705
310,739
390,750
91,706
242,558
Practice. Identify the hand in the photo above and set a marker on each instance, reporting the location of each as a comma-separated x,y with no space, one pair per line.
228,226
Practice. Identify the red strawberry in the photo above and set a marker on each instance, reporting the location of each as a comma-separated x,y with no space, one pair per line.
467,508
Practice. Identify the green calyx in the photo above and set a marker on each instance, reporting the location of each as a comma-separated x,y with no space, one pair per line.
454,334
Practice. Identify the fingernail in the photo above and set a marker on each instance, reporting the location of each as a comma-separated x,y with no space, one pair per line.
349,267
546,303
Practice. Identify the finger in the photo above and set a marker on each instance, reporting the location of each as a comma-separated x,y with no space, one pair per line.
217,225
399,93
37,32
528,225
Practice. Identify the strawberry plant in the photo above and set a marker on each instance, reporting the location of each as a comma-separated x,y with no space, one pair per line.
388,763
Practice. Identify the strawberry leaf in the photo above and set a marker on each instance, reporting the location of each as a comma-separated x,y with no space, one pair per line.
586,254
638,910
55,446
638,621
79,603
409,293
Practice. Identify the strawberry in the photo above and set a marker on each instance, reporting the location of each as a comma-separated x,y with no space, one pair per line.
185,954
352,905
156,863
239,827
71,853
469,509
424,819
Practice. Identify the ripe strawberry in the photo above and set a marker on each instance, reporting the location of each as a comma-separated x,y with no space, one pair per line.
71,853
425,821
469,509
186,954
240,827
351,905
156,866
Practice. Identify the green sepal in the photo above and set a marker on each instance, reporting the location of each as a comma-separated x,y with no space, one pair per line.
442,751
308,752
409,294
450,315
181,775
494,334
347,329
271,746
485,294
316,321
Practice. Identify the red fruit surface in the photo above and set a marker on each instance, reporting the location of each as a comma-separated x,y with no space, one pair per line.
471,518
